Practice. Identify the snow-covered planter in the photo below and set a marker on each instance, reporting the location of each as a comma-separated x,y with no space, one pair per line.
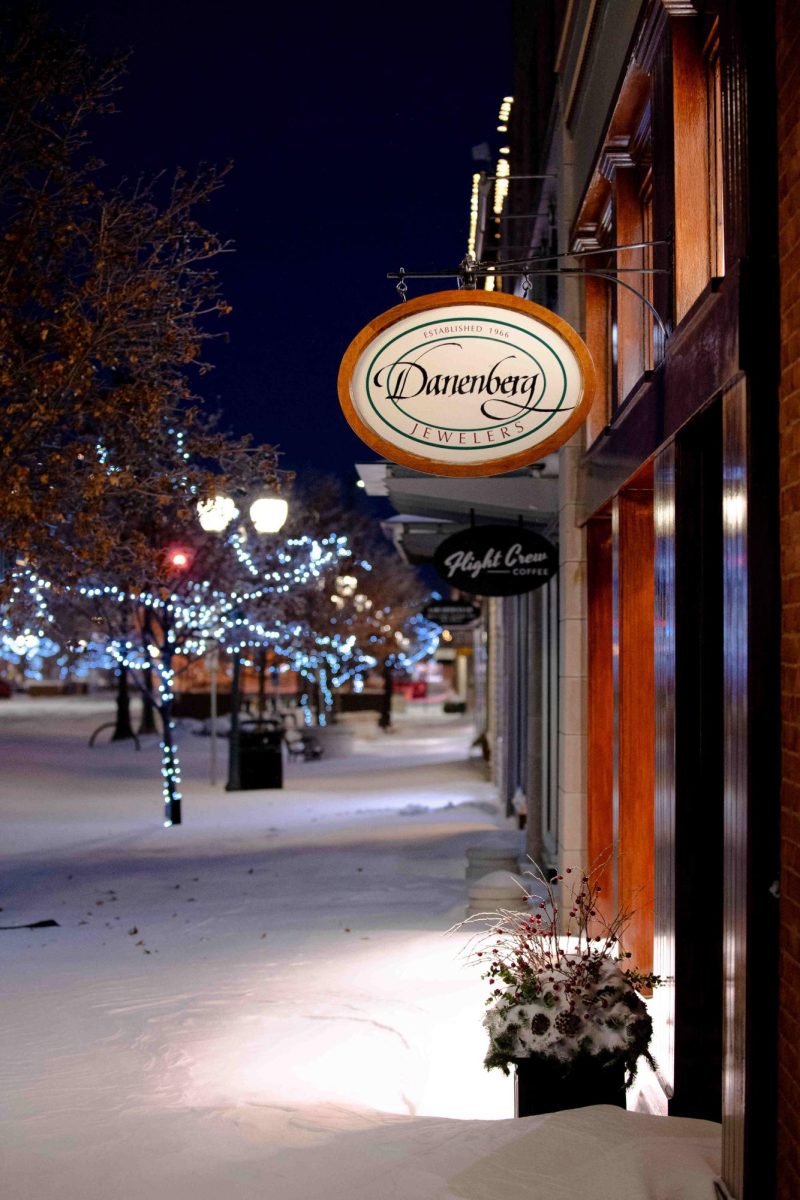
561,992
586,1005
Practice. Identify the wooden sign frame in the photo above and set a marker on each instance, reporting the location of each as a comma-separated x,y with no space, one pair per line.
465,299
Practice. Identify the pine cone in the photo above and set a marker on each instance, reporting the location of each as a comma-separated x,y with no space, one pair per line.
568,1023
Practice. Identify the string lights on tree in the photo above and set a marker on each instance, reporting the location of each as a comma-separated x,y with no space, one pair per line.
324,612
146,631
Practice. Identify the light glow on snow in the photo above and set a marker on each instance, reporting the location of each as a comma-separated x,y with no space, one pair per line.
398,1034
264,1005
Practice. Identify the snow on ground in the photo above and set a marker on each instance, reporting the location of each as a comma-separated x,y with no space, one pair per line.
260,1003
279,950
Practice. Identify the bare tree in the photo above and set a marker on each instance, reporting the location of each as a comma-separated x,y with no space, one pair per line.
107,298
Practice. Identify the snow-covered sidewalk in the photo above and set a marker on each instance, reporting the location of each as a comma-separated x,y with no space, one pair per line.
279,950
260,1003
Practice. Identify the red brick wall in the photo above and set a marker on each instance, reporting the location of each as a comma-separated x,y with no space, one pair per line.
788,60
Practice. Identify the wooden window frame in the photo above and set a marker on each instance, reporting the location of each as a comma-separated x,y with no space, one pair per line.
598,301
697,119
633,214
646,286
716,213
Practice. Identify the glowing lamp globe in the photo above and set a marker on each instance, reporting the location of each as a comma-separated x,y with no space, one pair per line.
268,514
217,514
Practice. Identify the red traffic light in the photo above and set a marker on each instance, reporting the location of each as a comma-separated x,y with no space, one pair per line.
179,558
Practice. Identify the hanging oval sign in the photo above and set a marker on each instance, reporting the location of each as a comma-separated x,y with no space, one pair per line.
466,383
496,560
449,613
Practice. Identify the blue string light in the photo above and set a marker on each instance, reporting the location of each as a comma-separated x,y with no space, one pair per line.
206,617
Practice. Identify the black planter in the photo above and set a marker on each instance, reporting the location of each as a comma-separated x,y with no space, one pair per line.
543,1085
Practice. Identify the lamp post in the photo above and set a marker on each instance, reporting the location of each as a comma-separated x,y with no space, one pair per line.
268,515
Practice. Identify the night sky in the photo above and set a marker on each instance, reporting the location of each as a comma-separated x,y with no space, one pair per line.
351,129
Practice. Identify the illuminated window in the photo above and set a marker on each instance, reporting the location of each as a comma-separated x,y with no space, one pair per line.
697,113
715,189
646,196
632,319
598,339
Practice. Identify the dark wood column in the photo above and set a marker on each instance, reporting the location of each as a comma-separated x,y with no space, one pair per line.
663,1003
698,769
600,720
751,632
634,779
688,836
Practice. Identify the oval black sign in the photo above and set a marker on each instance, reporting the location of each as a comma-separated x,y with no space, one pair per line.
450,612
496,560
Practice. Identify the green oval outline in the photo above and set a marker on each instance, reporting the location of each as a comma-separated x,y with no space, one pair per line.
424,441
475,428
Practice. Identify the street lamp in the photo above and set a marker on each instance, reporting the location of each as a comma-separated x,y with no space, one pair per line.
216,515
268,515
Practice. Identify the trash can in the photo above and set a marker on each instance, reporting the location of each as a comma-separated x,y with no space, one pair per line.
260,757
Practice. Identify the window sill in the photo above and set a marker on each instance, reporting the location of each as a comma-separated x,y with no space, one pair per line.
628,402
642,385
697,310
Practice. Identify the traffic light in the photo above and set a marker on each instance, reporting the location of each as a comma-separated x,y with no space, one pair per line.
179,558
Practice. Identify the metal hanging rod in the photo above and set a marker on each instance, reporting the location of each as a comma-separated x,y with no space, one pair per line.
522,264
610,278
610,270
497,268
401,274
515,177
469,271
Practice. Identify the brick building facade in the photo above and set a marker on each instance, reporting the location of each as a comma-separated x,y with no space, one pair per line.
658,187
652,195
788,70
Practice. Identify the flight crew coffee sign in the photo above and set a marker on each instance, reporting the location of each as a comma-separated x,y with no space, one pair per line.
496,560
466,383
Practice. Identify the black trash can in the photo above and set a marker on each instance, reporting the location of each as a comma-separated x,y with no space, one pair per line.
260,757
545,1085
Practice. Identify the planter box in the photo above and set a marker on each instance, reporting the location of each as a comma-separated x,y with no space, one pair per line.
356,702
497,889
336,740
543,1085
495,852
197,705
45,689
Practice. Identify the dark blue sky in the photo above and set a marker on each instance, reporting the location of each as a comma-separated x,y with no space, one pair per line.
351,128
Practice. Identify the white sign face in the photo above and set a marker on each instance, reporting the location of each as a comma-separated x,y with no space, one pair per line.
465,383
